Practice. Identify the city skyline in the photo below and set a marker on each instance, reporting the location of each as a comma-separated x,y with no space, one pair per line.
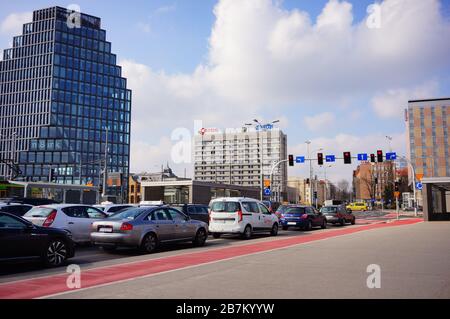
289,39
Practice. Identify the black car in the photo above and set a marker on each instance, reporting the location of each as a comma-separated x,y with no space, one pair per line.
15,208
21,240
195,211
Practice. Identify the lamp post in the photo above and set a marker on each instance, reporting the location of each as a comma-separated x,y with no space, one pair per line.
105,167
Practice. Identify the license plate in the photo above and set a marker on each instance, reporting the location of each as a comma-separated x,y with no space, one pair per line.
105,230
292,223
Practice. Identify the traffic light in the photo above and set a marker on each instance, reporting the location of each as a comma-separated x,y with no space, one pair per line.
347,158
315,194
372,158
380,156
291,160
320,158
376,180
397,187
307,181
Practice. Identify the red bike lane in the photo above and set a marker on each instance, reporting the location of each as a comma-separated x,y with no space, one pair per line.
56,284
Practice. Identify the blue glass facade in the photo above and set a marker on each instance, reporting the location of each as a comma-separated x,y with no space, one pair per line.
60,92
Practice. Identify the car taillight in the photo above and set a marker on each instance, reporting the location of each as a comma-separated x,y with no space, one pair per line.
50,219
240,216
126,227
282,215
304,216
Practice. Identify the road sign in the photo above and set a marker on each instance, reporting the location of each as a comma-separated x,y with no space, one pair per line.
330,158
300,159
419,177
419,186
397,194
267,191
267,183
362,157
391,156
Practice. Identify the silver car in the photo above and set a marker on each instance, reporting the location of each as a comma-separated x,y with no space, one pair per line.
147,227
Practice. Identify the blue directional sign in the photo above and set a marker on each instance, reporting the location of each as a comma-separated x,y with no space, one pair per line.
330,158
267,191
419,186
362,157
300,159
391,156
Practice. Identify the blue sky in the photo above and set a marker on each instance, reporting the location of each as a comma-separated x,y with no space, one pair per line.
167,52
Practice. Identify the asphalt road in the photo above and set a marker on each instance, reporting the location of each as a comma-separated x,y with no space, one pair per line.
414,262
89,257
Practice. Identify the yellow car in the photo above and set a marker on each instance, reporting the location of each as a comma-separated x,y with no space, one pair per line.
357,206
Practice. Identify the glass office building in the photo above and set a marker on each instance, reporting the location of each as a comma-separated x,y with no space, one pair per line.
62,100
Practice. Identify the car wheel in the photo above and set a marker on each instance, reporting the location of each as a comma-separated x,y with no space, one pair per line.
149,243
308,226
353,221
274,230
324,224
200,238
247,232
216,235
285,228
56,253
342,222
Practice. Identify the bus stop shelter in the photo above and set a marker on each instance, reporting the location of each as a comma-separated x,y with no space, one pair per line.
436,198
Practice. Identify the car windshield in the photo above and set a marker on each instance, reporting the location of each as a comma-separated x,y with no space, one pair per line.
225,207
326,210
295,210
132,213
282,208
100,208
39,212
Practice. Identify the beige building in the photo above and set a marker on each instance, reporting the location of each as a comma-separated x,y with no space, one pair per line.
304,190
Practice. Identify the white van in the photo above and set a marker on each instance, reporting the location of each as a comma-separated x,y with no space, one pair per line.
240,215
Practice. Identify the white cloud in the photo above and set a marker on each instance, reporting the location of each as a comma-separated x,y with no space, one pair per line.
12,24
319,121
391,103
262,57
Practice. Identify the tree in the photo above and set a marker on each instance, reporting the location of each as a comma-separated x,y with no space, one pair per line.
343,192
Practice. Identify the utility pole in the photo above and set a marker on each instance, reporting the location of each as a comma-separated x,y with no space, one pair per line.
310,172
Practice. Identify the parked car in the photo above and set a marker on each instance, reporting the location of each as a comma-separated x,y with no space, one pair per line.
110,209
20,239
197,212
240,215
30,201
338,214
148,227
304,217
280,210
15,208
357,206
75,219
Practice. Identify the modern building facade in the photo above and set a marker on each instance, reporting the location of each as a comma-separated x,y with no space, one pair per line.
63,101
242,157
428,125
